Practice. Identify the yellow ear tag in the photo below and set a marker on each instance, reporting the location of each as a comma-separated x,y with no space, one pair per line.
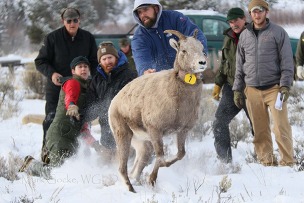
190,79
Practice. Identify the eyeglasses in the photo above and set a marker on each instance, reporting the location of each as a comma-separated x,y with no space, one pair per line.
69,21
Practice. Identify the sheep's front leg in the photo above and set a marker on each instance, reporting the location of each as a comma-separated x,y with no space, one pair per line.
158,145
181,140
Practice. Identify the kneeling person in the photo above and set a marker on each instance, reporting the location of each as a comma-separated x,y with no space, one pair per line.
62,136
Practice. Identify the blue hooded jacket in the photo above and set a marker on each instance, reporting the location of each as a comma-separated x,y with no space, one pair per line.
150,46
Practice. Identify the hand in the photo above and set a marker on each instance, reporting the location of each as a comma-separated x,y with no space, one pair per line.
300,72
284,92
238,99
55,78
73,111
149,71
216,92
86,135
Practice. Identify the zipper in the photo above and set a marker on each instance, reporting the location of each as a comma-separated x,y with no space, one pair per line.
158,34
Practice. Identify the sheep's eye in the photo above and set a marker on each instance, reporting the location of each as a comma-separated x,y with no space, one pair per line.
184,51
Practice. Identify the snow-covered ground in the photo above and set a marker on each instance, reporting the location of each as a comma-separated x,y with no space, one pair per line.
196,178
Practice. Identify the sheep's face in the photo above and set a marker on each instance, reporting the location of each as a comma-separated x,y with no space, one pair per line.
190,56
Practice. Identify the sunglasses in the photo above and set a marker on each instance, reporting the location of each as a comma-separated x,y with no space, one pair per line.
75,20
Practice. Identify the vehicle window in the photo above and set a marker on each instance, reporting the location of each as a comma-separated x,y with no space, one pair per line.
214,27
192,19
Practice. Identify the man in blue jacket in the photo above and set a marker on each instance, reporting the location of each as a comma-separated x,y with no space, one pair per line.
150,45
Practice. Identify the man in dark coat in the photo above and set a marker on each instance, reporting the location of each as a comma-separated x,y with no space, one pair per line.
113,73
57,51
224,79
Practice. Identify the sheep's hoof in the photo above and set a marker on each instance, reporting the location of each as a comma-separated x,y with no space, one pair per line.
131,189
152,180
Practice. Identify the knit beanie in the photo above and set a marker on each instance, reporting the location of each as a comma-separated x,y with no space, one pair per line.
257,4
235,13
106,47
79,59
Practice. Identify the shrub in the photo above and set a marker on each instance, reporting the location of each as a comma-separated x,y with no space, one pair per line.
9,167
8,101
206,116
35,82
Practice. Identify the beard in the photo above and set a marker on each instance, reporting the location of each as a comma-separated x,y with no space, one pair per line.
149,22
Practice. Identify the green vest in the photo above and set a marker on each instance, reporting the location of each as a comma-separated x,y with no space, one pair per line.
227,67
64,130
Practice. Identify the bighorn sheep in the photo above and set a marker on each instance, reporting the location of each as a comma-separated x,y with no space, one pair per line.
156,104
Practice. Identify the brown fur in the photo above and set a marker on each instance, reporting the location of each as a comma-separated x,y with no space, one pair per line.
155,105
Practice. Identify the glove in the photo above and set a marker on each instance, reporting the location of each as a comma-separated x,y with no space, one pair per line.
97,146
73,111
216,92
284,92
300,72
238,99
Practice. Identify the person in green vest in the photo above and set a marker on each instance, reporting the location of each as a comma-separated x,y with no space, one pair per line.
125,47
67,126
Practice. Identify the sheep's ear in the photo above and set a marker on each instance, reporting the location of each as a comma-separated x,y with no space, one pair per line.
173,43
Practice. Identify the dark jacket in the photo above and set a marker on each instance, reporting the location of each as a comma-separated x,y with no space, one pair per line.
300,51
56,54
227,67
102,90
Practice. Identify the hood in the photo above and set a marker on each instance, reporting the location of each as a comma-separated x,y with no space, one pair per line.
140,2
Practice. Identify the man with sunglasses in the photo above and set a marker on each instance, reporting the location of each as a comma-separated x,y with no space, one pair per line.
57,51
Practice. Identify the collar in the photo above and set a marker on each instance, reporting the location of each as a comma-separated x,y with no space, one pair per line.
189,78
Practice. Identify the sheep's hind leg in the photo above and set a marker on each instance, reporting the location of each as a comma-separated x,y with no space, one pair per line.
123,136
144,151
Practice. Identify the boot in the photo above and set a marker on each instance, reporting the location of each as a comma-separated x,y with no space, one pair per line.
301,168
27,160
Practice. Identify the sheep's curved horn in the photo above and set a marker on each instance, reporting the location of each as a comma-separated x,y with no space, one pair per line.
177,33
195,33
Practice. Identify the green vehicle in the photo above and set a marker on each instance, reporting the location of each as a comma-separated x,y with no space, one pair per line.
212,23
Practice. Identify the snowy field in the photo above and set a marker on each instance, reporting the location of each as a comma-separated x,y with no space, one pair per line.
196,178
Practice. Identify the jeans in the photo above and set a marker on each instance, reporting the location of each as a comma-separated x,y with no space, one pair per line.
225,112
